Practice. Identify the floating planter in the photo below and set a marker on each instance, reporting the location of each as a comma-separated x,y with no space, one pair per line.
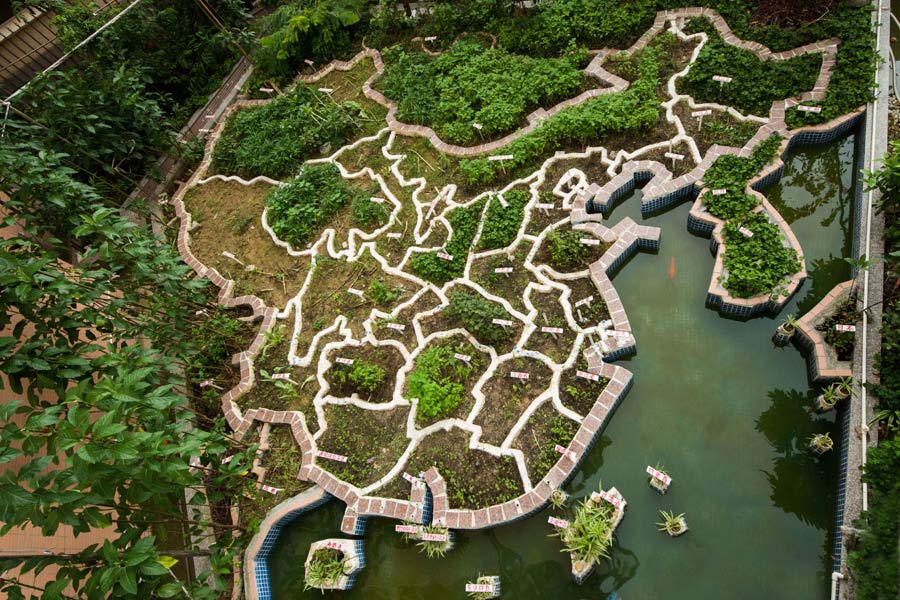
558,498
484,588
821,443
589,535
434,541
786,330
333,564
659,479
672,524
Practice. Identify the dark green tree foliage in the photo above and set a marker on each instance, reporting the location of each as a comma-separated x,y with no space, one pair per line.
477,314
274,139
305,204
182,53
731,173
758,264
296,31
592,23
100,438
746,92
471,84
464,221
632,110
109,122
501,225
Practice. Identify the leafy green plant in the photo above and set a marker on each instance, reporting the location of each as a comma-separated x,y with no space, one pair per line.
297,209
783,78
589,535
464,221
821,442
470,84
298,30
672,524
477,313
502,224
634,109
567,253
435,549
437,379
382,294
758,264
593,23
558,498
324,569
275,138
732,173
367,214
362,376
843,342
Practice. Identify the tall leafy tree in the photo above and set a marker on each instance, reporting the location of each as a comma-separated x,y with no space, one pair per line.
94,341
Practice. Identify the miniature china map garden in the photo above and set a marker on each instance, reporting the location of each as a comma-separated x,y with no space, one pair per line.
423,238
395,300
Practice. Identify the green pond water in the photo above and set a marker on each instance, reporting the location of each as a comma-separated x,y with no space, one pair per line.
727,414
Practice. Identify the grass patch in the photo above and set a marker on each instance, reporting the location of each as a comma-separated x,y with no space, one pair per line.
372,441
475,479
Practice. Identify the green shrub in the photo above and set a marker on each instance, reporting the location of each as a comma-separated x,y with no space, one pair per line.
300,30
592,23
502,224
464,221
471,84
567,253
477,313
746,91
732,173
274,139
367,214
635,108
383,294
758,264
300,207
364,377
437,380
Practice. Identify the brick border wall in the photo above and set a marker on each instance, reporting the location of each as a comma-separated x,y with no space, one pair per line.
823,366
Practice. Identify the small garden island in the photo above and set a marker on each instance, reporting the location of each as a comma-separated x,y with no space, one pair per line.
419,232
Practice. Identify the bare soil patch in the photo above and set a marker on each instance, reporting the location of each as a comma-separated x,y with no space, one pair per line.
590,313
372,441
506,397
327,296
510,286
229,215
557,346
